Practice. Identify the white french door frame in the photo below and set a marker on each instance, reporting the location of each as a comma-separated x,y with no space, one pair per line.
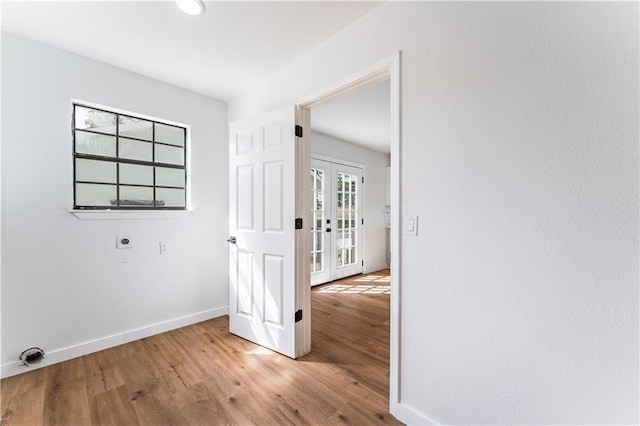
386,69
329,263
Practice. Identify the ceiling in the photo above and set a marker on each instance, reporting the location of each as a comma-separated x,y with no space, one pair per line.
362,118
219,54
232,46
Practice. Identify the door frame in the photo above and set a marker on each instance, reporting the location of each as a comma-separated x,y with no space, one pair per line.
362,244
386,69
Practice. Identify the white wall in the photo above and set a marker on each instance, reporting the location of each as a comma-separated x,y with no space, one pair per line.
63,281
519,296
375,163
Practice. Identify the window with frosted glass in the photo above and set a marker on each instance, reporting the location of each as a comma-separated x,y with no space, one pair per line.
126,162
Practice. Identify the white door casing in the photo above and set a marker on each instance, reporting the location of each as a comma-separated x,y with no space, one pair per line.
262,261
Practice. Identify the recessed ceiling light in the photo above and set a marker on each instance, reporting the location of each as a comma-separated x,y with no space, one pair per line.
191,7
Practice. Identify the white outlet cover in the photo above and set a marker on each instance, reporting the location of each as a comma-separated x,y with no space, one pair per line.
124,241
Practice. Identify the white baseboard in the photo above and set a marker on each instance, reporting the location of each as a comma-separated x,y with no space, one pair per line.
410,416
373,268
58,355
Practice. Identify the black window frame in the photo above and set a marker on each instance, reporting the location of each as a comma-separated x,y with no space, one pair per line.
120,160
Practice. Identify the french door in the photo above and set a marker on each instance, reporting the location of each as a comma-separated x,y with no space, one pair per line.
336,221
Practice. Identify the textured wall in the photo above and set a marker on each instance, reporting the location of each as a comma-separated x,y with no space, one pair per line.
519,296
63,281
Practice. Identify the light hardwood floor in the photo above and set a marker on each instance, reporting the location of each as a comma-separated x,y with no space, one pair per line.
202,375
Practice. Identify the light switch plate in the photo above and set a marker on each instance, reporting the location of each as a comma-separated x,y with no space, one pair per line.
164,247
411,225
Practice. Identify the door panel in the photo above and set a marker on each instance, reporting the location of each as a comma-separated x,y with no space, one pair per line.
262,169
274,198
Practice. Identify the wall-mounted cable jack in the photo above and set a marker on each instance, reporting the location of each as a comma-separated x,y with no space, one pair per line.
32,356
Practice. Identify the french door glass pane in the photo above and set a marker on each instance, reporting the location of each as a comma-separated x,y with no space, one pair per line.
317,215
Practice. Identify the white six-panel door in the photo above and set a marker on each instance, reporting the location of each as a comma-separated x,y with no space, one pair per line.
262,228
336,221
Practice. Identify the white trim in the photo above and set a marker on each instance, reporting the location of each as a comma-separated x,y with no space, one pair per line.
388,68
337,161
367,77
125,112
63,354
395,366
128,214
410,416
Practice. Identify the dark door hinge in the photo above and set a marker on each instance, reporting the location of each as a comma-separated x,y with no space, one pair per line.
362,179
363,220
298,130
298,223
298,315
363,263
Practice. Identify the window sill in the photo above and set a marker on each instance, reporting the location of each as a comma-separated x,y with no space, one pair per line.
128,214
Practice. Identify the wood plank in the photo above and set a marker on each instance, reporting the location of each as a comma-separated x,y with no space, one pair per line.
25,408
201,374
113,408
65,398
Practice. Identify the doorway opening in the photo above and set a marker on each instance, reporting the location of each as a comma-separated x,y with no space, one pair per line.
388,72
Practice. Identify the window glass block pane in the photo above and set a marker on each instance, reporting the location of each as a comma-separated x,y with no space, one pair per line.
169,177
91,143
97,121
138,175
170,134
135,128
135,150
95,171
169,154
132,196
166,197
88,195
